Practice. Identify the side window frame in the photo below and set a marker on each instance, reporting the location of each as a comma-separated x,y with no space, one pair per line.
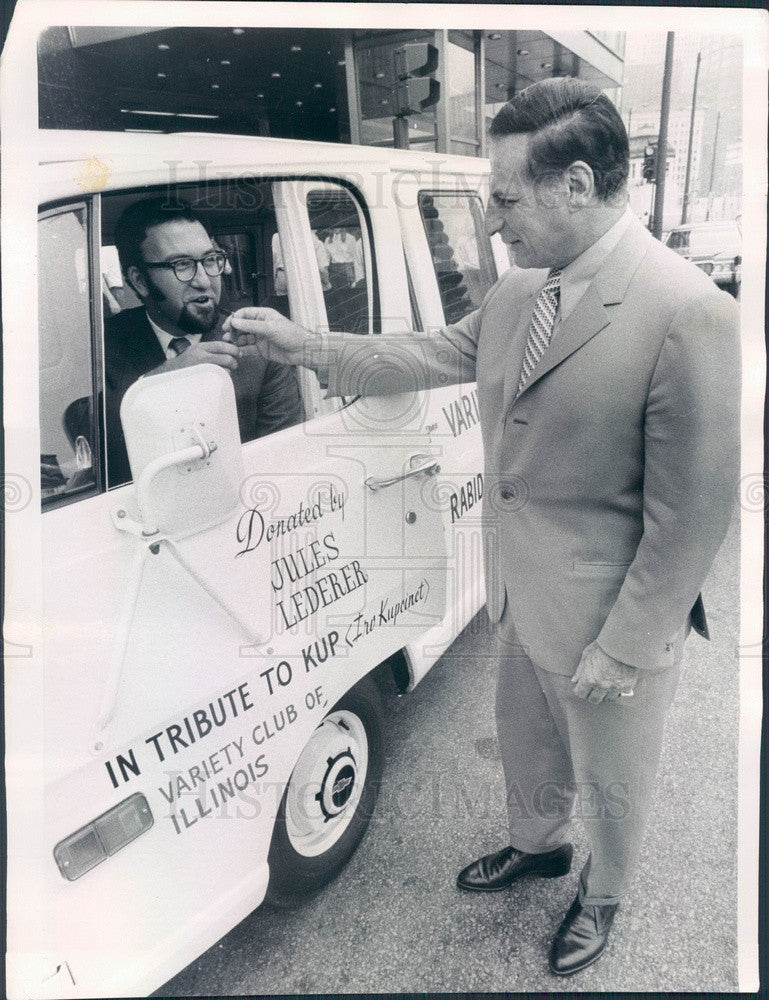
295,215
370,265
90,205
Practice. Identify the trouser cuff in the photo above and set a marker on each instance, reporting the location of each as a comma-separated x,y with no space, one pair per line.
586,899
529,847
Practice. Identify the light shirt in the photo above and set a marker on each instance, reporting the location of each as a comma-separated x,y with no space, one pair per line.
279,279
344,248
577,276
164,339
110,267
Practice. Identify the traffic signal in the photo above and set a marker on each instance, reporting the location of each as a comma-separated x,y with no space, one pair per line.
650,162
415,85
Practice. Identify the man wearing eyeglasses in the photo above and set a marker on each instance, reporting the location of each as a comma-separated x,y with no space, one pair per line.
171,262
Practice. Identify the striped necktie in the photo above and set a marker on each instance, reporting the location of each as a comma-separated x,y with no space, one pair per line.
541,327
179,345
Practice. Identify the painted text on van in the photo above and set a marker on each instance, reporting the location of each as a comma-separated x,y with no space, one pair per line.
252,528
462,414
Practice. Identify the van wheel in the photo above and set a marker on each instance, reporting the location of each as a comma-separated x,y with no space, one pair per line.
329,799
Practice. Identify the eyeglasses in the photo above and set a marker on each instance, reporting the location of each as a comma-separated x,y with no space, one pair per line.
185,268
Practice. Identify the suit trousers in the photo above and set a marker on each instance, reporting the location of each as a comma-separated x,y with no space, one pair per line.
565,757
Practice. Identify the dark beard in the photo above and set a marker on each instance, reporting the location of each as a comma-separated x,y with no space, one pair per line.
186,321
193,324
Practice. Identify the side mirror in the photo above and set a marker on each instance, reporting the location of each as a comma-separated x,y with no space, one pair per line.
183,442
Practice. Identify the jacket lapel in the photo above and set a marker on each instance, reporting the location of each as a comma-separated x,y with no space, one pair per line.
586,320
143,346
590,315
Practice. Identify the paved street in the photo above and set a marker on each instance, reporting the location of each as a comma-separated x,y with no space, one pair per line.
393,921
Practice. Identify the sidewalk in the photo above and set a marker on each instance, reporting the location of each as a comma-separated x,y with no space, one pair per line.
394,922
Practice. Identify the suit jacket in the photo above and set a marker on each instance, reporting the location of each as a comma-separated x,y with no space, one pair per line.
266,393
610,481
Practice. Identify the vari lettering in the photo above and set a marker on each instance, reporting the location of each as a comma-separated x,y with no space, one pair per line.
463,413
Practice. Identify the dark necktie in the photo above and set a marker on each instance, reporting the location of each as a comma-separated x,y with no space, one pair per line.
179,345
541,327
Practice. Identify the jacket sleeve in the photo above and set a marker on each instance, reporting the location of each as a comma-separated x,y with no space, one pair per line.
691,474
279,404
380,365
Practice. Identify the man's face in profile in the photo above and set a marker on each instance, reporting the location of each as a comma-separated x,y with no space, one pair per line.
185,306
532,217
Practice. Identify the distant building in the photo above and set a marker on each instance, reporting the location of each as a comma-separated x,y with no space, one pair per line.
715,186
647,123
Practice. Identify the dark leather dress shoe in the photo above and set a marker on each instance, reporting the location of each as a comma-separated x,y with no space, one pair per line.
497,871
581,938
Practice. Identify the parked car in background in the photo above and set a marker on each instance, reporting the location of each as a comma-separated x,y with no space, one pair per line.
716,247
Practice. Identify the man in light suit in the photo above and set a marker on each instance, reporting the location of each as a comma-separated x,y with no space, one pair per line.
608,384
175,268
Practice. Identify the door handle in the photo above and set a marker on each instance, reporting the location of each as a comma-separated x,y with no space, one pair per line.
430,468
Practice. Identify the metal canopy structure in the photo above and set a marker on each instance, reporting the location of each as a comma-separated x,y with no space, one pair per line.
325,84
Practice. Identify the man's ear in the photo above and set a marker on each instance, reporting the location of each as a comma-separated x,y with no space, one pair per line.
581,181
137,281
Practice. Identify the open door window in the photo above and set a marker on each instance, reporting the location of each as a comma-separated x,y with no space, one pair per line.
326,260
68,415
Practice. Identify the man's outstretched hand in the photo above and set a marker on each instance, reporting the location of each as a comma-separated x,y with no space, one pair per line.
600,676
257,328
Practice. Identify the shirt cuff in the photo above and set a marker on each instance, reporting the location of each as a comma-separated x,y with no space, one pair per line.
318,358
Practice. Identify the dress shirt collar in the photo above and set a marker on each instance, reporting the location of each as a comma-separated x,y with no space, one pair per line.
164,339
577,276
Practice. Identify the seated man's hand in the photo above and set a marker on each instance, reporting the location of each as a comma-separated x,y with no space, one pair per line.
257,328
51,476
211,352
600,676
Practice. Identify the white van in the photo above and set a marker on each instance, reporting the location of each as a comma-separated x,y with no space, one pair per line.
208,730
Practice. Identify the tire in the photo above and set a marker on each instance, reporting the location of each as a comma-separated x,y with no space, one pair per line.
329,799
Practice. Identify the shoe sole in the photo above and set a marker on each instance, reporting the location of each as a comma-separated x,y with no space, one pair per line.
507,885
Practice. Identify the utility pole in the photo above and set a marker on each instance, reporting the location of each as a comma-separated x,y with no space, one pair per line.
685,207
713,168
662,142
401,132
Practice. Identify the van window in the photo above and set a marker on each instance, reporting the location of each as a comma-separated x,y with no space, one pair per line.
460,248
239,216
679,239
340,239
68,439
